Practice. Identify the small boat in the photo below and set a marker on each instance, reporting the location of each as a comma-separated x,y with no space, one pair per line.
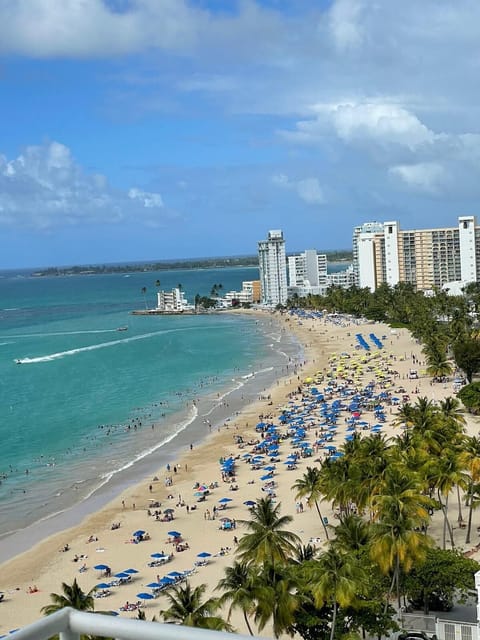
122,329
18,361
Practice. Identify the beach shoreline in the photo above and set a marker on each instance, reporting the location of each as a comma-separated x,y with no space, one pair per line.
46,567
190,427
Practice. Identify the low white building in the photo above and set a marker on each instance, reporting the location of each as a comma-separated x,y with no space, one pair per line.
173,301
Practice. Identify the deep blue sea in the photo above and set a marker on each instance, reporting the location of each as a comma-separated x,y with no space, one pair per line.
82,405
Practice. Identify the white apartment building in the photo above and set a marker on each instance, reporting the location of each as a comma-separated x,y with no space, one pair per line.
173,301
363,253
307,269
344,278
426,258
273,269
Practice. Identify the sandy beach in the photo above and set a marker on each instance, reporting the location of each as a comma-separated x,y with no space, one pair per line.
94,542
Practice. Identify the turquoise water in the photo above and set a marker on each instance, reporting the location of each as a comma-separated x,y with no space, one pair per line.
83,404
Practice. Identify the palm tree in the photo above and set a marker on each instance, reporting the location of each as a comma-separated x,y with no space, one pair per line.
144,293
238,586
400,508
471,458
72,596
277,598
352,535
310,486
339,485
303,553
444,472
338,580
188,609
268,541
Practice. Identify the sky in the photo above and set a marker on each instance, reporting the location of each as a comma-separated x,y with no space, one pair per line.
161,129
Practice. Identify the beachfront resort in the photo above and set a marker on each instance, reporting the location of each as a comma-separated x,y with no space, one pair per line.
325,475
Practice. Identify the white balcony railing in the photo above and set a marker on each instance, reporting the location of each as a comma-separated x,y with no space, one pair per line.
70,624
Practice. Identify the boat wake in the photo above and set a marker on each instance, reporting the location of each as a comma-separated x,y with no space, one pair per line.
102,345
59,333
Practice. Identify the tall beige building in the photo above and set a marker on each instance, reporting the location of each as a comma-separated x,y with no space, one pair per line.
427,258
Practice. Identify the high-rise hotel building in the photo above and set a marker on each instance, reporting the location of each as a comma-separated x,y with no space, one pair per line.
273,269
427,258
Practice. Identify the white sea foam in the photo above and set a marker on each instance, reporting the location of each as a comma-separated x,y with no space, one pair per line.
106,477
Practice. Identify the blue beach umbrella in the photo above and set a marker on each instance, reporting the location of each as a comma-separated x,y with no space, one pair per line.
101,567
174,534
154,585
204,554
166,580
250,503
130,571
137,534
102,585
225,500
145,596
175,574
158,555
122,574
268,477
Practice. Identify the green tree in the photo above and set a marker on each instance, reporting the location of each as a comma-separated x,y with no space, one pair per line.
72,596
338,580
267,541
444,472
310,486
471,460
466,351
400,509
352,535
188,608
438,365
470,396
277,598
144,294
443,575
238,586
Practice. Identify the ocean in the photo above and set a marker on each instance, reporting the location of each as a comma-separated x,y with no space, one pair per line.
91,409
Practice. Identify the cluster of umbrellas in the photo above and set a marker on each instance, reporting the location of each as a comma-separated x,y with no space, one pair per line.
378,343
126,573
362,342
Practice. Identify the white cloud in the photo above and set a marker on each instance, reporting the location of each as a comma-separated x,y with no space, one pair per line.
45,187
149,200
345,24
425,176
98,28
87,28
371,122
308,189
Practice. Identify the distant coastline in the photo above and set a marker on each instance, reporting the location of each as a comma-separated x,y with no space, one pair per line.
169,265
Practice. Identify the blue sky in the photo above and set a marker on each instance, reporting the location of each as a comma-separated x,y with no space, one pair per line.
157,129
